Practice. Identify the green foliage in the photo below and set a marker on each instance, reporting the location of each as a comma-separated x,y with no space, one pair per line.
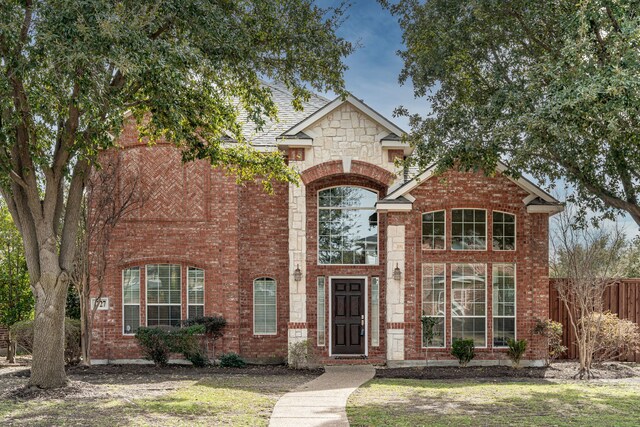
157,344
552,331
552,86
22,335
72,310
213,325
231,360
428,332
463,350
516,350
16,298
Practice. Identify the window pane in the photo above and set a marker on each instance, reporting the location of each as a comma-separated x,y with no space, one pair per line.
468,229
504,303
468,302
434,302
195,285
131,286
264,306
469,328
163,315
433,230
348,226
504,231
131,317
375,311
321,311
195,311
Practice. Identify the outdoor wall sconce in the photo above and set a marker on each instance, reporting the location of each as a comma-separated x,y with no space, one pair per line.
297,274
397,274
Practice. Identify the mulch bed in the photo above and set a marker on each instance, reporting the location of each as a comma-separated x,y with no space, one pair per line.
559,370
187,370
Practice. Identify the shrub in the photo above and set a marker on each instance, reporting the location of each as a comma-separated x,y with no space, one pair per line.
213,325
463,350
516,350
614,337
231,360
22,335
155,344
552,331
428,329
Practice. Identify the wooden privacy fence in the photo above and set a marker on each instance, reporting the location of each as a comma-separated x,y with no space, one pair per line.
622,298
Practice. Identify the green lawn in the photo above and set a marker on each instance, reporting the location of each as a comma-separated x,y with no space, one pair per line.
237,400
396,402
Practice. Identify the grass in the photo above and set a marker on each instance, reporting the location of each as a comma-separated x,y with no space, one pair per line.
387,402
234,400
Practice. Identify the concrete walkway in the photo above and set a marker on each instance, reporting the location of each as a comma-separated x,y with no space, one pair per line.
321,402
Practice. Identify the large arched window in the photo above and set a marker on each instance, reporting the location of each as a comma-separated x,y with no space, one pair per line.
347,226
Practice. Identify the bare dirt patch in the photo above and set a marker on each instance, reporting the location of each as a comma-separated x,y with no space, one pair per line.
565,370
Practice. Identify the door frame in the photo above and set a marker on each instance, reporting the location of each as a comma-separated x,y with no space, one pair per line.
366,314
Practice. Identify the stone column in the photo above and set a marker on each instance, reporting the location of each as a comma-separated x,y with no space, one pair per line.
395,292
297,259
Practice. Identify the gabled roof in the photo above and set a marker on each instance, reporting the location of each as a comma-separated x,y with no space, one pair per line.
538,201
326,109
287,116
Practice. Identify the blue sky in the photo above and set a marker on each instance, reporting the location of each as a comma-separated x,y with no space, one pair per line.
374,67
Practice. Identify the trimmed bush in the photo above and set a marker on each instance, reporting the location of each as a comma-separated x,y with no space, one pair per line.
463,350
213,325
516,350
22,335
231,360
155,345
615,337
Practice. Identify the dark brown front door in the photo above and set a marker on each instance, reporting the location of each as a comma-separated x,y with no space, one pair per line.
347,304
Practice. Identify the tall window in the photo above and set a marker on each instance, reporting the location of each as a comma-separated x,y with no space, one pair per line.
434,302
321,309
504,231
347,226
195,292
264,306
468,303
375,311
469,229
504,304
164,293
130,300
433,230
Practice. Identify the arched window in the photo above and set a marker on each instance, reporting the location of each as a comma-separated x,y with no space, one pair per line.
347,226
264,306
433,230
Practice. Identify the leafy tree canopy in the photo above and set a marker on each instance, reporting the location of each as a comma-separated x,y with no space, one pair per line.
71,69
551,87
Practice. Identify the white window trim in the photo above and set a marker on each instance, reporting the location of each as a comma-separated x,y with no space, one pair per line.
444,317
515,301
146,292
318,223
486,231
515,232
445,230
204,294
124,305
486,297
275,283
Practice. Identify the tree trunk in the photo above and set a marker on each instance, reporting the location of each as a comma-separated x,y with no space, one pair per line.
11,348
85,327
47,367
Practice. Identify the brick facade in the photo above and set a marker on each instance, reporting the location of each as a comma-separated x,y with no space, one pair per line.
194,216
